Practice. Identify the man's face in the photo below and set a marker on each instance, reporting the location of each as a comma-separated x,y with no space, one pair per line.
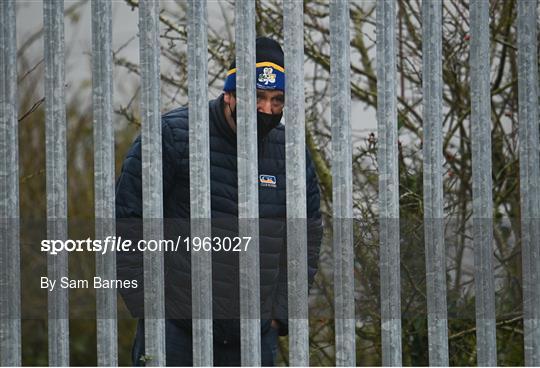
268,101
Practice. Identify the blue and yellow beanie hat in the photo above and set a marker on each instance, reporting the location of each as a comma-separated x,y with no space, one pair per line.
270,67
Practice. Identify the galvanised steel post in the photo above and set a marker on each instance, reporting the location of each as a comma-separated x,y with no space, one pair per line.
10,284
56,181
295,155
248,190
199,169
433,182
529,176
342,184
482,185
152,181
388,183
102,92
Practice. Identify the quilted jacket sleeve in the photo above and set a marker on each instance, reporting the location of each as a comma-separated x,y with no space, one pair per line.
129,214
314,237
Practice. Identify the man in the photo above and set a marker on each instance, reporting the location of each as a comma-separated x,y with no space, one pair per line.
224,207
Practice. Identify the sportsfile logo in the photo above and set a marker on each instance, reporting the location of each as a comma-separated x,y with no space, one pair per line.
267,181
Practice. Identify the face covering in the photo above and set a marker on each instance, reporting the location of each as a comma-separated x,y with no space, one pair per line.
265,122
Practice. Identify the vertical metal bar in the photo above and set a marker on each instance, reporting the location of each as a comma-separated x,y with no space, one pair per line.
342,184
529,176
102,90
10,284
152,191
55,146
482,186
199,165
248,191
388,184
297,270
433,183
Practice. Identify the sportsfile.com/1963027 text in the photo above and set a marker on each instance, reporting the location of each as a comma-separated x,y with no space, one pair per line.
117,244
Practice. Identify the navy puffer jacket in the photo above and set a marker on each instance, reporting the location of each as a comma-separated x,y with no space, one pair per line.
224,208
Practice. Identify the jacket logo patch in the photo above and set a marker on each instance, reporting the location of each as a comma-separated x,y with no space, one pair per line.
267,181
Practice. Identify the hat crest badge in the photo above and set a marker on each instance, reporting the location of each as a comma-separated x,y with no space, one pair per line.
267,76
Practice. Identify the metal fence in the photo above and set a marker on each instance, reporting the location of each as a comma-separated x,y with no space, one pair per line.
10,332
